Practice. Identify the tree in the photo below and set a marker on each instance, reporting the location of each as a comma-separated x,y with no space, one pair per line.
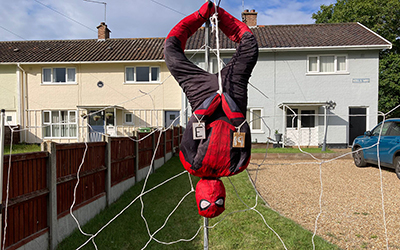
382,17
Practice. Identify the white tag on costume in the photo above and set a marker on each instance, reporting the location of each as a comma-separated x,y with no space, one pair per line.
199,130
238,140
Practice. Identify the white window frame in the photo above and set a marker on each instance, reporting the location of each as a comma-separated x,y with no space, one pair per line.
142,82
68,122
51,82
335,71
252,117
128,113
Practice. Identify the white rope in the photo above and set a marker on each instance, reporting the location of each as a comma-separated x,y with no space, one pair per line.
320,205
74,200
214,22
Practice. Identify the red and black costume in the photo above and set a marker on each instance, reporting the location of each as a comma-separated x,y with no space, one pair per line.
223,114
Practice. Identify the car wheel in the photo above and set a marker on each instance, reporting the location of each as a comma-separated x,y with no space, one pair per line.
358,157
397,166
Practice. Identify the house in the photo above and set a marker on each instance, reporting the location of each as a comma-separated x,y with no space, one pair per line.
313,83
64,89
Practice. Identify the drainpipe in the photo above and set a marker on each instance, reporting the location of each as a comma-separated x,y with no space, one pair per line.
22,100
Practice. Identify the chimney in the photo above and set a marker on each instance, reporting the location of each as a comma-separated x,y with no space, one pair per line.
250,18
103,32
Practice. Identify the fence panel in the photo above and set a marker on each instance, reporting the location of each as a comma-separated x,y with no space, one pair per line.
169,140
28,194
178,133
92,174
160,149
145,150
122,159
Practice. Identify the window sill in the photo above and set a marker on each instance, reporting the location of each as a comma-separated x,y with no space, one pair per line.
142,83
60,138
327,73
257,132
58,83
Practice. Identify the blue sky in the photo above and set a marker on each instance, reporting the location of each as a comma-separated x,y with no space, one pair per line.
78,19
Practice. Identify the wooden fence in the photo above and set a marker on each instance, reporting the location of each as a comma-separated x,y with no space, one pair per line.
42,183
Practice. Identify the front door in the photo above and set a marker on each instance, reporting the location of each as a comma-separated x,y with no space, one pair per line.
357,122
171,117
96,125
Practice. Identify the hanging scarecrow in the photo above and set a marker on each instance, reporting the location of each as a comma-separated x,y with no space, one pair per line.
216,142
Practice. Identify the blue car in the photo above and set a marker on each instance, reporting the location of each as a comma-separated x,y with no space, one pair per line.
389,146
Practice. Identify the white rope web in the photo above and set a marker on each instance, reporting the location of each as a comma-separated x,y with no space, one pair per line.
152,234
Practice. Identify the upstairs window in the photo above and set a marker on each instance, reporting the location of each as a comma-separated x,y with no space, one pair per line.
327,64
142,74
58,75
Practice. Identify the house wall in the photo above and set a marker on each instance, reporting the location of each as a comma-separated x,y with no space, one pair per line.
9,92
114,91
85,92
282,76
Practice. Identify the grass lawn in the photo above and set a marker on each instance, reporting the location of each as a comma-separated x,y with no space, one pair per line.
244,230
290,150
22,148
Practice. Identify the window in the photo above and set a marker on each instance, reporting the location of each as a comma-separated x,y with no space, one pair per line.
327,64
385,128
395,129
291,118
60,124
308,118
128,118
254,119
224,62
58,75
142,74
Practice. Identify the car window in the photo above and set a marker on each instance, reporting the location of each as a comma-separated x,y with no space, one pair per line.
395,129
385,128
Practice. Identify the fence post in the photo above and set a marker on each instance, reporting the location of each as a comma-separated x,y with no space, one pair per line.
165,146
136,158
179,136
2,134
108,140
153,145
52,185
173,139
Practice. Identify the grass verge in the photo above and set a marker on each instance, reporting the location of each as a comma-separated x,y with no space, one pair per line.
244,230
22,148
290,150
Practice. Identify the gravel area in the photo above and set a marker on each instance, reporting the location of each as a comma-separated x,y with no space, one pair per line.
352,215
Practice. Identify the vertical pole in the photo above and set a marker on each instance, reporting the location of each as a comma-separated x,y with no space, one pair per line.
108,171
52,186
326,128
2,133
207,64
137,157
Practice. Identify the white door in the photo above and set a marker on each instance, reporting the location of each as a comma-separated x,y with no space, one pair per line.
301,129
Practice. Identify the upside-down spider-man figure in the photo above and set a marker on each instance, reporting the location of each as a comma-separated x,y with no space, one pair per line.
216,141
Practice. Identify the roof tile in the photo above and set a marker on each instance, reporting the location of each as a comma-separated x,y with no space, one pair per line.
268,36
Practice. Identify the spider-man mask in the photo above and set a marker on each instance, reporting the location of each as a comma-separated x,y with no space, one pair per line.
210,197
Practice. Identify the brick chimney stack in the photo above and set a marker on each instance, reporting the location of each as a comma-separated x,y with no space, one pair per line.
103,32
250,18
